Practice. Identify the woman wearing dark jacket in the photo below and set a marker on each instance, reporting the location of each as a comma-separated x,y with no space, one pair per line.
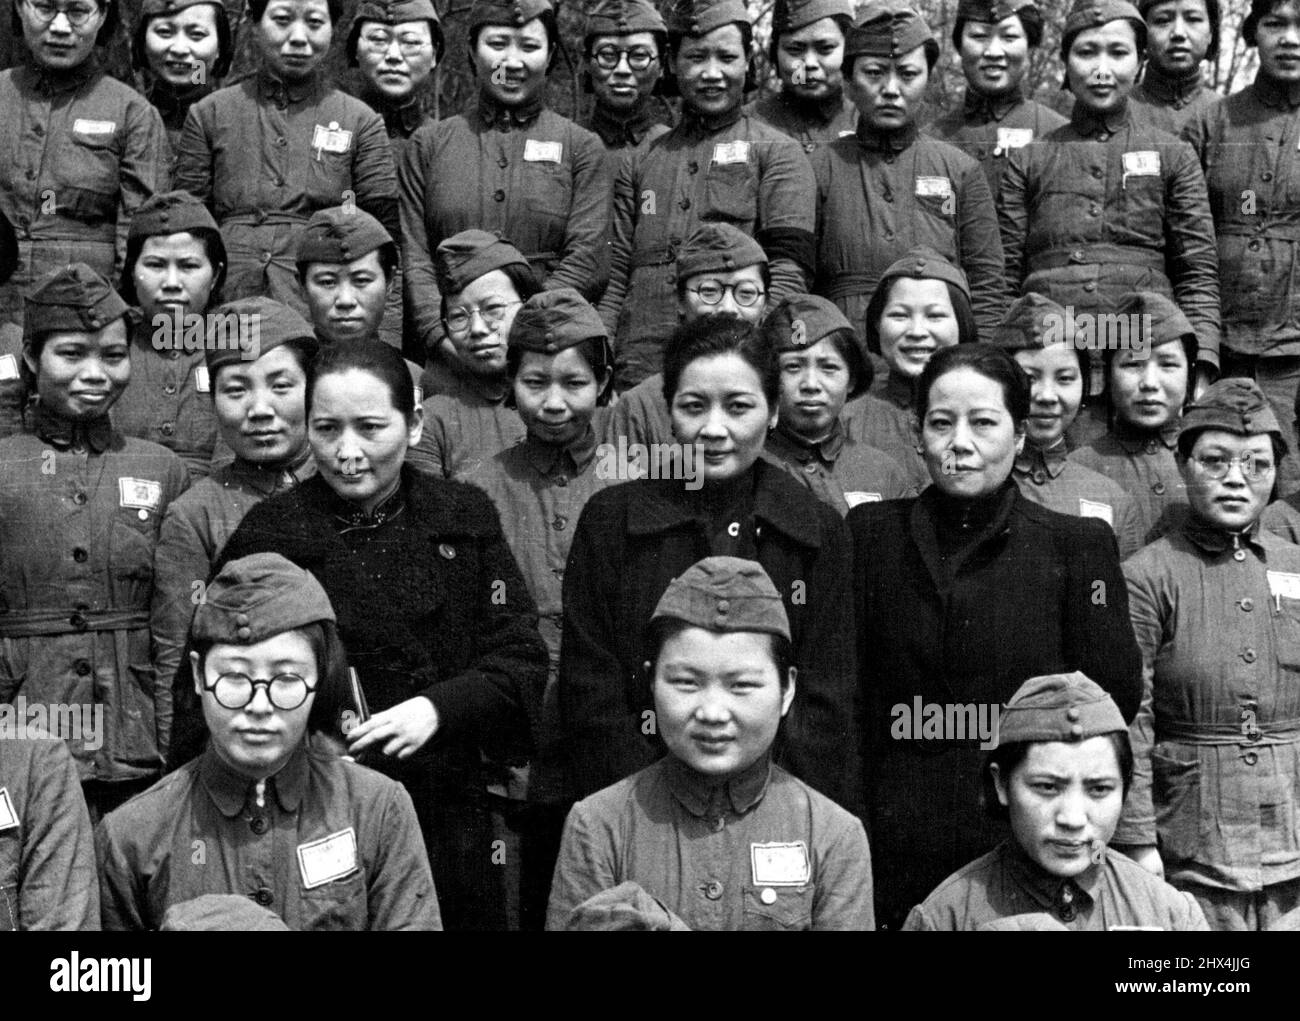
961,593
720,383
431,606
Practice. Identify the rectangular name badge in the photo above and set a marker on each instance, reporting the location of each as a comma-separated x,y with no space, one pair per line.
140,494
8,366
731,152
853,499
83,126
1091,509
1142,164
780,864
1283,585
933,187
543,152
8,817
331,139
202,381
1013,138
330,858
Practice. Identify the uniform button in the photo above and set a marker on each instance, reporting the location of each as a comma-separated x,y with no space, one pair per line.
502,162
169,389
686,204
1094,209
167,428
713,890
79,498
259,825
561,480
78,621
448,551
808,147
31,175
37,130
1151,446
810,468
1067,914
1040,477
80,555
723,606
889,197
266,258
1158,489
174,354
1247,605
559,522
264,897
1249,655
1096,172
1077,256
241,620
889,235
499,195
1103,136
733,529
1090,286
1072,714
1239,555
281,142
1253,246
1267,175
693,167
1251,757
278,182
83,667
259,217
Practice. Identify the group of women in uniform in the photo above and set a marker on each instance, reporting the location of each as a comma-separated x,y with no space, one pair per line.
385,482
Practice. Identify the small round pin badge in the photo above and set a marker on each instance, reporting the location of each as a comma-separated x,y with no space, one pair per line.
768,896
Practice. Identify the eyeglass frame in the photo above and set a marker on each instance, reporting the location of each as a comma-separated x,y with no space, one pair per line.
471,311
1242,461
95,8
729,288
254,684
415,47
619,53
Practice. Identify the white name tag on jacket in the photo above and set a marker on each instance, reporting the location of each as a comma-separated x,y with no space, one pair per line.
933,187
330,858
780,864
731,152
543,152
1091,509
853,499
8,366
1013,138
8,817
331,139
82,126
143,494
202,381
1281,583
1142,164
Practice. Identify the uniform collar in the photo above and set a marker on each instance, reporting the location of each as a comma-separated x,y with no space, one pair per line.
983,108
231,791
1048,459
1086,123
694,123
1064,898
401,119
64,433
983,518
274,88
898,390
667,505
269,479
619,130
172,103
349,516
1135,440
789,446
886,141
1213,540
819,111
550,459
704,796
1176,92
53,83
492,114
1279,95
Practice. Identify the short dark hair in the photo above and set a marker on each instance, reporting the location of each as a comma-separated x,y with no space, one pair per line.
989,361
712,336
1031,20
213,247
967,330
388,262
1108,353
256,8
522,277
675,40
1008,756
225,41
383,362
659,631
593,350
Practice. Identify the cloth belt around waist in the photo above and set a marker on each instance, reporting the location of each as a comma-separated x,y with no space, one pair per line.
658,255
1091,255
1274,732
848,285
263,218
69,621
1273,232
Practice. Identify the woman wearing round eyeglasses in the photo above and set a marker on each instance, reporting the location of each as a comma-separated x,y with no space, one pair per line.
1215,801
508,164
395,45
81,150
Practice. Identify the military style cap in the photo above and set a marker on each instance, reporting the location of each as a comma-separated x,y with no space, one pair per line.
622,17
153,8
1234,405
394,12
887,28
925,263
792,15
511,13
991,11
256,597
72,297
1058,707
624,908
221,912
277,324
1167,320
8,249
718,248
1095,13
170,212
340,234
551,321
464,257
806,319
699,17
1032,321
725,594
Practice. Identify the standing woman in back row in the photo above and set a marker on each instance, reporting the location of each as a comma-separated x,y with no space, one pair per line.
265,154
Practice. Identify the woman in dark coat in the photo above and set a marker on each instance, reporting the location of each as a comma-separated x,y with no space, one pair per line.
432,608
720,383
962,593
